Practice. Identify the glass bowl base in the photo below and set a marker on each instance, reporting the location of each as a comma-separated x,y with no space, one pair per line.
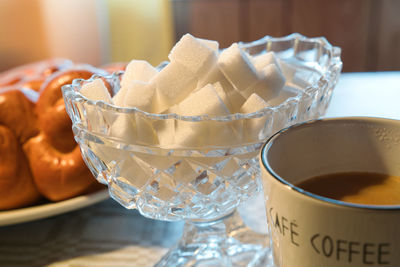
224,242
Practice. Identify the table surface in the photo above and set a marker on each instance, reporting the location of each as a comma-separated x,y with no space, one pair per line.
106,234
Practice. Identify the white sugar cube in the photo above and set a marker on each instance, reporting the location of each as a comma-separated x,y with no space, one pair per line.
269,85
235,98
94,118
146,134
165,129
237,67
253,128
253,104
190,134
204,133
140,95
137,70
119,98
263,60
96,90
173,83
214,45
223,134
173,109
230,96
203,101
133,129
273,78
194,54
124,128
214,76
166,133
200,133
223,96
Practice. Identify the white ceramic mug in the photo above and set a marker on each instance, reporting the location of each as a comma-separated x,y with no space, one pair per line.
308,230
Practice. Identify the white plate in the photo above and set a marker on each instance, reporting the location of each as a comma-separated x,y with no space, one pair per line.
51,209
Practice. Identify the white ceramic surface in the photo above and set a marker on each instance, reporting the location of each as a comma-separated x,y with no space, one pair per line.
50,209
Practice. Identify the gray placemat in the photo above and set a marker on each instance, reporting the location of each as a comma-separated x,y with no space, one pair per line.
105,234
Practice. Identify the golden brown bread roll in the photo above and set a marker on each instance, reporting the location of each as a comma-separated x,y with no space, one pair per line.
17,188
34,84
17,124
58,174
38,153
55,160
17,113
53,118
32,71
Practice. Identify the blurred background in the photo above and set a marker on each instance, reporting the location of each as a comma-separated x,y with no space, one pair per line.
103,31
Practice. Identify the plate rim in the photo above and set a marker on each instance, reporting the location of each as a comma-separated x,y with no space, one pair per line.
10,217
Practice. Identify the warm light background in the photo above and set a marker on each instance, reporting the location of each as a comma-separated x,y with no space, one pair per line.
140,29
90,31
368,31
104,31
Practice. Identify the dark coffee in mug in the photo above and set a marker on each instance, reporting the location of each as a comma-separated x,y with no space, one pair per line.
356,187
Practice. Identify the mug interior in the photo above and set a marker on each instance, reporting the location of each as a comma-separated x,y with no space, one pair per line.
331,146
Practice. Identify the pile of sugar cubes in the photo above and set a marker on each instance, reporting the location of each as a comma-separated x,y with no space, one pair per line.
199,79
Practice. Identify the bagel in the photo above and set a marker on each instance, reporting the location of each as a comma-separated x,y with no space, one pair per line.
58,175
17,113
54,157
38,154
52,116
34,84
32,71
17,188
17,125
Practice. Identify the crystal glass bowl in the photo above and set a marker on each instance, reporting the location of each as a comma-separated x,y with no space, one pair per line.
200,168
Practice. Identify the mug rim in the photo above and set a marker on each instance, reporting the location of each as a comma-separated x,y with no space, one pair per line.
267,145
